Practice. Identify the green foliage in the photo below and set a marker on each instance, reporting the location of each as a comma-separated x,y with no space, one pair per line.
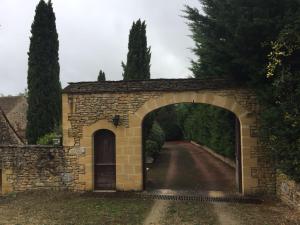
211,126
44,89
255,42
157,134
139,55
167,119
154,141
101,76
280,114
232,37
151,148
207,125
47,139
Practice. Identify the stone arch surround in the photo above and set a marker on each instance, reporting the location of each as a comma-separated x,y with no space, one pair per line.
249,183
86,112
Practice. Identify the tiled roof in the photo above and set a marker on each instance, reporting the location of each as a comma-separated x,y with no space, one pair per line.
15,110
7,103
149,85
8,135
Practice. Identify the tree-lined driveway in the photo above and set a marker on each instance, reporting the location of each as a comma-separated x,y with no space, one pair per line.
184,166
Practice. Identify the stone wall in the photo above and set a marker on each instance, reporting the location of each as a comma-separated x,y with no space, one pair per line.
87,109
38,167
90,106
288,190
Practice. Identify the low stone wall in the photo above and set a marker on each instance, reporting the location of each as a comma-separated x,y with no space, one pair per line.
39,167
288,190
226,160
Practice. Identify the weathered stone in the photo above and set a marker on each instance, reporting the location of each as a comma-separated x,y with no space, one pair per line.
91,106
288,190
32,167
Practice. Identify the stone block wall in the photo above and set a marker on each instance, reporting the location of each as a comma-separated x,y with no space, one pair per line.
85,113
87,109
287,190
39,167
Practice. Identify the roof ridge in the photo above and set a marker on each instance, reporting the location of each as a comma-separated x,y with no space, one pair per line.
11,127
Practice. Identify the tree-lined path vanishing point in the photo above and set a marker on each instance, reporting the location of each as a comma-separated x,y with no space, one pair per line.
184,166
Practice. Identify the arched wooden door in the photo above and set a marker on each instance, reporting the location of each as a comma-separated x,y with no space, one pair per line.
104,160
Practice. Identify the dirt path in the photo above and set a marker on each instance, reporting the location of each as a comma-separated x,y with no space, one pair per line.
183,166
159,207
157,212
225,217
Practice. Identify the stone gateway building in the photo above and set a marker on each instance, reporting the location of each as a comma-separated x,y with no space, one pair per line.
102,125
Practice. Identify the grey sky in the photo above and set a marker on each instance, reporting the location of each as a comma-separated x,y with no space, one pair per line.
93,35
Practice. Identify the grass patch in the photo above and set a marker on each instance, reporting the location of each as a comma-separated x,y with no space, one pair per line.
264,214
46,207
190,213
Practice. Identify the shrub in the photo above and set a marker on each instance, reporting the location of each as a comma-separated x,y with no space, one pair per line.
47,139
157,134
154,141
152,148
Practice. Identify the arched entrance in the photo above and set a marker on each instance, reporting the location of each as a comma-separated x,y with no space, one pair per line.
104,160
247,143
182,164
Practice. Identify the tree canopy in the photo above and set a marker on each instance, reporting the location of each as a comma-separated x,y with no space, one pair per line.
101,76
256,42
137,66
232,37
44,88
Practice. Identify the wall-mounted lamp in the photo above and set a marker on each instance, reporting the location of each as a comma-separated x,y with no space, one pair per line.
116,120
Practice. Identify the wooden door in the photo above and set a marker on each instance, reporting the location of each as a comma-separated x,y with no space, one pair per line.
104,160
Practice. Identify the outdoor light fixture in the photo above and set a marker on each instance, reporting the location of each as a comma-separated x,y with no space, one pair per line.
116,120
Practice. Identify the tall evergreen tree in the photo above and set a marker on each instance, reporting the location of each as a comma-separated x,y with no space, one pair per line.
44,88
233,37
139,55
258,41
101,76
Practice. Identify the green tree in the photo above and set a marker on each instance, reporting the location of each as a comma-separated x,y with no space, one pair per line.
44,88
137,66
211,126
101,76
280,113
232,37
167,119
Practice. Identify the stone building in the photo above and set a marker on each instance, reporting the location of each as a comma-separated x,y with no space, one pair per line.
15,109
105,119
8,135
102,137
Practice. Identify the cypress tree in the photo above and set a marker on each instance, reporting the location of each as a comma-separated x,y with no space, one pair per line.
101,76
139,55
44,88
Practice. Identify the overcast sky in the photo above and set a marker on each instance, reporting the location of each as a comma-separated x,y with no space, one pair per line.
93,35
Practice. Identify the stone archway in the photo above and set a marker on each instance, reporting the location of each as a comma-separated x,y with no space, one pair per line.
245,118
88,107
